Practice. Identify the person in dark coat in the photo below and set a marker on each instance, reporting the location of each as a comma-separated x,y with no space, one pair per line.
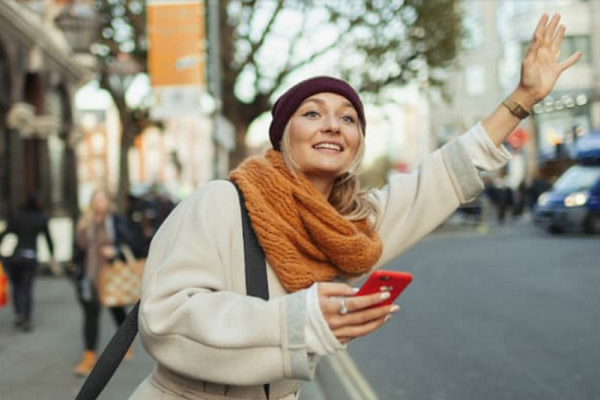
22,265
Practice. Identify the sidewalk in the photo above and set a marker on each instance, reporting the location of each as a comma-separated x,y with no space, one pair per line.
39,364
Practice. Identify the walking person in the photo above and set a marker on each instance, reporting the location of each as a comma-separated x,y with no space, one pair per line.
22,266
319,231
99,235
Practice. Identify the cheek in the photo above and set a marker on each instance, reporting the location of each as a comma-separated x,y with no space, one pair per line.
353,142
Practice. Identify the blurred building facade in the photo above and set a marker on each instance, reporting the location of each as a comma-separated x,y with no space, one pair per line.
499,31
38,78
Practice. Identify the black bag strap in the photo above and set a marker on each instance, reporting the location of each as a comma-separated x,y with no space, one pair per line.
111,357
254,262
254,257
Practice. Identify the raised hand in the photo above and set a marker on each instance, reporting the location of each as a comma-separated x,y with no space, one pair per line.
540,68
539,72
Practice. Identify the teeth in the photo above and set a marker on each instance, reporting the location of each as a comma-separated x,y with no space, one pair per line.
330,146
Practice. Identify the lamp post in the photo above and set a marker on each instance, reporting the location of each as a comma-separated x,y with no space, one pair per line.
79,24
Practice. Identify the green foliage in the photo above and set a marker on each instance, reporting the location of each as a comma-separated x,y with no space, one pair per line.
122,30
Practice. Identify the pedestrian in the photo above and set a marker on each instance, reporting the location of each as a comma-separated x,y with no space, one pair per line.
100,233
319,232
22,266
503,195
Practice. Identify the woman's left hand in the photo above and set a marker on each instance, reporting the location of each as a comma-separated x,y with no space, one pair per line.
108,252
540,68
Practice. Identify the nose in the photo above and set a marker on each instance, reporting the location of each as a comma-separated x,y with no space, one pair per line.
332,124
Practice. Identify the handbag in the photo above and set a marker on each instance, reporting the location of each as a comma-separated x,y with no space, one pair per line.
3,287
119,282
256,285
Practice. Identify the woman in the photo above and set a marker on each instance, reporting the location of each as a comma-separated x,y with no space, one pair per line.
21,267
318,230
100,234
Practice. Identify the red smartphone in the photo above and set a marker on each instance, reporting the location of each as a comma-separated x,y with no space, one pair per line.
381,281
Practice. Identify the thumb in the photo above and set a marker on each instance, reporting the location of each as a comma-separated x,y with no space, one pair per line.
571,60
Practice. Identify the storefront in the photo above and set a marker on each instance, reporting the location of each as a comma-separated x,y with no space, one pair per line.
38,77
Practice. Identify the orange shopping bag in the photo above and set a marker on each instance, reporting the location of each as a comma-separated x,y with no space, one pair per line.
3,287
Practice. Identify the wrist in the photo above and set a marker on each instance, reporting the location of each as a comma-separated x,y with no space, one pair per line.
524,98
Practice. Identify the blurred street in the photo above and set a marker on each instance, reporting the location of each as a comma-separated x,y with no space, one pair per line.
511,314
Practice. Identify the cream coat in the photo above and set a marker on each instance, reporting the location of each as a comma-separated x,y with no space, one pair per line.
213,342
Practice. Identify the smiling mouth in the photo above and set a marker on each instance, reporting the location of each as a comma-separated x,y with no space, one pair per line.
329,146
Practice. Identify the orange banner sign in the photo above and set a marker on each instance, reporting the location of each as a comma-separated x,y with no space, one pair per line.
176,34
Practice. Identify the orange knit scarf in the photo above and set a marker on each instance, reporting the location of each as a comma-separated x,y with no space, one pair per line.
304,238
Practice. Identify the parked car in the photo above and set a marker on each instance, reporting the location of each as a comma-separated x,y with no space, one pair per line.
573,202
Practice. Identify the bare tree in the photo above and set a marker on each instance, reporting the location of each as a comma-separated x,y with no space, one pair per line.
266,43
121,49
371,43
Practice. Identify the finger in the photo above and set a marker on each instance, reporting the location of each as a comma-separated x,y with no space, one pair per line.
550,30
539,29
332,306
367,301
369,315
538,34
362,317
570,61
558,39
354,331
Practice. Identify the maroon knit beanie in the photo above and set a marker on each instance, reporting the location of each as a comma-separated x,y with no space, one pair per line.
289,102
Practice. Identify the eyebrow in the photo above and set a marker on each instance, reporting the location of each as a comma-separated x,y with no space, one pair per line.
319,101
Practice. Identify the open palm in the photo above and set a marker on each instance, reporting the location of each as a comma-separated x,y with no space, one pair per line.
540,68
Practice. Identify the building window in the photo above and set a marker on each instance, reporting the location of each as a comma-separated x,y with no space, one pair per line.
571,44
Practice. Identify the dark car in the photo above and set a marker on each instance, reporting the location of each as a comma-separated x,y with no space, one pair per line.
573,202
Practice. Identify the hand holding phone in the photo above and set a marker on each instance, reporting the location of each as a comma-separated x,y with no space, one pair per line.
381,281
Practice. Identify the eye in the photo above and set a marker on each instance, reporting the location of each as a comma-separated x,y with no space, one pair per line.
311,114
349,119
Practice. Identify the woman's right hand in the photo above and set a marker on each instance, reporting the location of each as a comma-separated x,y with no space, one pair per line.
360,319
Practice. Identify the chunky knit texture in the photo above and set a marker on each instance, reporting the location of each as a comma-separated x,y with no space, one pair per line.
304,238
289,102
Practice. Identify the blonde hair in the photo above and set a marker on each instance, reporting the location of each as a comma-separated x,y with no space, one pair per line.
347,196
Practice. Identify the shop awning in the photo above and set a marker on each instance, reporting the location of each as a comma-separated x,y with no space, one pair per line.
24,25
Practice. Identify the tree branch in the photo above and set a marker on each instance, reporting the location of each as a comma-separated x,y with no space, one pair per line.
255,46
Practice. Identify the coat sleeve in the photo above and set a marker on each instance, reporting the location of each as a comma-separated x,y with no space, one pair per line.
195,322
414,204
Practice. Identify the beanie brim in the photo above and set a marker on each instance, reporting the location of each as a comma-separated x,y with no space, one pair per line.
288,103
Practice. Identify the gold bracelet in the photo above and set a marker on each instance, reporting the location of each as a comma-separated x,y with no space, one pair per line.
515,108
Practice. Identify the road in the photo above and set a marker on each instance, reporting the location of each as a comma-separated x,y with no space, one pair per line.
511,314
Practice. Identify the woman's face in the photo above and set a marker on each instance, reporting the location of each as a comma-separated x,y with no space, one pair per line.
100,204
324,135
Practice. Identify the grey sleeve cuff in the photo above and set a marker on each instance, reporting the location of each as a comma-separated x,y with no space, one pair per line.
299,366
464,175
484,154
